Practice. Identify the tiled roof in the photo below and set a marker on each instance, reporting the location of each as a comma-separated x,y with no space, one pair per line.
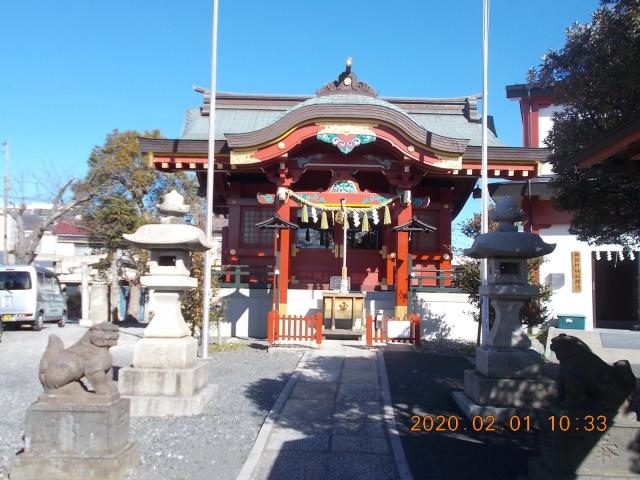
68,227
240,113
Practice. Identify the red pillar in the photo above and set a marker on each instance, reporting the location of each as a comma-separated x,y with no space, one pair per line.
284,211
402,265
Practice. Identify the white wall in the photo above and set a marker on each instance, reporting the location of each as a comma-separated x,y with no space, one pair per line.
563,300
444,315
545,122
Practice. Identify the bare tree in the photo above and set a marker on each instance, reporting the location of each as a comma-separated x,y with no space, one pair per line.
58,194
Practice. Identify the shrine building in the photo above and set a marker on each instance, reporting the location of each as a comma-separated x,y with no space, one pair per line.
391,173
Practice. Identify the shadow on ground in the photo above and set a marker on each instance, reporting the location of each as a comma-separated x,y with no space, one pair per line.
421,384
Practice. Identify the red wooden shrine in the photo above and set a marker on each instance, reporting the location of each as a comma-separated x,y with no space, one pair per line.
274,154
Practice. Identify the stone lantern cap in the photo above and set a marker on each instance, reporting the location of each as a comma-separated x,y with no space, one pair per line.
170,233
506,241
169,236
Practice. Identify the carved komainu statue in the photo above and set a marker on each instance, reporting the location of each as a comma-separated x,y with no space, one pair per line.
61,370
588,383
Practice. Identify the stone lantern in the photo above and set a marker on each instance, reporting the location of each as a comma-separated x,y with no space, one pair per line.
508,372
167,378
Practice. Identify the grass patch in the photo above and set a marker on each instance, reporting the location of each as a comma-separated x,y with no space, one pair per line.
225,347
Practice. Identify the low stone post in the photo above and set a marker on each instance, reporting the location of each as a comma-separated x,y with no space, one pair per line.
507,380
72,432
98,304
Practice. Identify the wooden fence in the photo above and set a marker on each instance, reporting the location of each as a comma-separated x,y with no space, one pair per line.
378,331
292,327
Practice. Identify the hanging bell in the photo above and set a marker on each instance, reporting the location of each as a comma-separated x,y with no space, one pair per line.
305,214
339,217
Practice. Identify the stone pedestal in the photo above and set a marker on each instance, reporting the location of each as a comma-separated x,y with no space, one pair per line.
506,382
67,441
167,378
578,454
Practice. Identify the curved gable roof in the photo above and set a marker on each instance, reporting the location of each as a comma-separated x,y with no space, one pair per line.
346,107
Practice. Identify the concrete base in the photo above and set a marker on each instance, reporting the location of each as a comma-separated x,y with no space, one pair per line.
165,406
76,441
161,392
508,392
165,352
112,466
133,381
502,415
577,453
508,363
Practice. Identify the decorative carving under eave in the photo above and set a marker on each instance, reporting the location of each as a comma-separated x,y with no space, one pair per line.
347,83
283,177
453,163
346,136
404,180
243,158
345,143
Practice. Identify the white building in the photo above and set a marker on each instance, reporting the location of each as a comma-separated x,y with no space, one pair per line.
599,283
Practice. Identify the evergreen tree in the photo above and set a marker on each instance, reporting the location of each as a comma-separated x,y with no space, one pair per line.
595,78
124,190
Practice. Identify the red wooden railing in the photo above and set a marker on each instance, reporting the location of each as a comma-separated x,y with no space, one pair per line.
376,333
292,327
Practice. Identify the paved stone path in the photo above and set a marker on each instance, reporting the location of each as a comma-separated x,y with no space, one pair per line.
333,420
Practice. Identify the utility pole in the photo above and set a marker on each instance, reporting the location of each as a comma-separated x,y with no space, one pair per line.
5,259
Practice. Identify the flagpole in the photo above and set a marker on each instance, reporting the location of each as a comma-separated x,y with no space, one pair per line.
5,258
484,228
206,288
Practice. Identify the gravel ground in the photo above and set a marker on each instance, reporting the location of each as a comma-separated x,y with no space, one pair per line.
213,445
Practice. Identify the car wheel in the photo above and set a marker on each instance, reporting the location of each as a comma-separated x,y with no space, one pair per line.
63,321
39,323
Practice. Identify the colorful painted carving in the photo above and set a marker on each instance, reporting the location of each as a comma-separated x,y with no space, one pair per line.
265,198
345,143
344,186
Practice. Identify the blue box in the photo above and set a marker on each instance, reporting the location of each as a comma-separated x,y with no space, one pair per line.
575,322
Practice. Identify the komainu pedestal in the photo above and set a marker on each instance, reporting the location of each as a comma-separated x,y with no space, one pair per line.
66,441
79,428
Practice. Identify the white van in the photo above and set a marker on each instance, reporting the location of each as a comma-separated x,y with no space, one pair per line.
31,295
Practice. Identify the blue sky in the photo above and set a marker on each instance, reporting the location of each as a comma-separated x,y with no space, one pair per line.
71,71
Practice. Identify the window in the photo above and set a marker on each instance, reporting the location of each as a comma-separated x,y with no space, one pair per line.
15,281
425,242
311,236
251,235
55,285
47,282
360,240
